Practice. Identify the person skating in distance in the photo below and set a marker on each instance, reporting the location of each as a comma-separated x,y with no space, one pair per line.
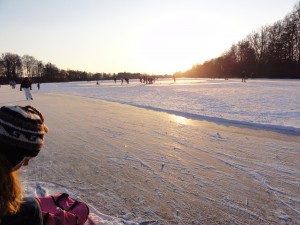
26,85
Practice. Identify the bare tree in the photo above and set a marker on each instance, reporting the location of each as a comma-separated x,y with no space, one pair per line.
275,45
50,72
29,64
296,21
258,42
246,54
12,65
39,68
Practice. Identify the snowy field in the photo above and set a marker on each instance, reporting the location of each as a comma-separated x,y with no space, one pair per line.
192,152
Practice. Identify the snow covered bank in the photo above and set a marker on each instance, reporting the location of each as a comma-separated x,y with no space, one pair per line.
153,167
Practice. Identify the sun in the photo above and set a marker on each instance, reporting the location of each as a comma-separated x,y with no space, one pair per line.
166,47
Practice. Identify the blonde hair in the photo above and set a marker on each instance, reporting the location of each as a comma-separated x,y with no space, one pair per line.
10,189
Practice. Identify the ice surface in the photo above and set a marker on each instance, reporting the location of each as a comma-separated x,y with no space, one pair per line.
266,103
162,162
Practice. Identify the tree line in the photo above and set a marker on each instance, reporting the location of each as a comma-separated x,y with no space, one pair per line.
14,67
272,51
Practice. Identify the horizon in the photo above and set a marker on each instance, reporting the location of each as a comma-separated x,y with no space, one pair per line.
136,36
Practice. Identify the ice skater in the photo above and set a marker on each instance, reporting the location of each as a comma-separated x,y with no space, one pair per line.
126,80
244,77
26,85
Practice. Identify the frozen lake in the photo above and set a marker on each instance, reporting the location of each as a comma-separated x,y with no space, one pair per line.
271,104
170,165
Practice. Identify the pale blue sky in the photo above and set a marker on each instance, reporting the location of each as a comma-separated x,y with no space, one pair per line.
146,36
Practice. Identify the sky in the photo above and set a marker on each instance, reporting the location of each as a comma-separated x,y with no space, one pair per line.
136,36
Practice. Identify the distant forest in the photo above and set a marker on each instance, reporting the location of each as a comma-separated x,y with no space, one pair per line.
271,52
14,68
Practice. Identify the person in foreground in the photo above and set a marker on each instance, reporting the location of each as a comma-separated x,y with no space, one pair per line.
22,131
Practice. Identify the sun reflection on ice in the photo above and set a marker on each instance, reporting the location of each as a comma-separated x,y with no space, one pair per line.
180,119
